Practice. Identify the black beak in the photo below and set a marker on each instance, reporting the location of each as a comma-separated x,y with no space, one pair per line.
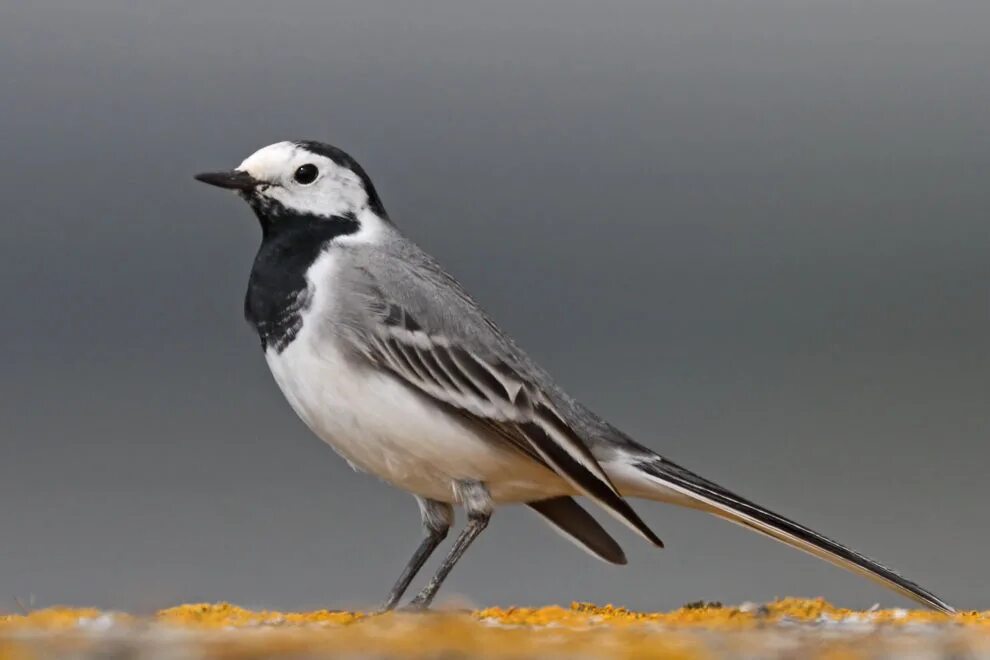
233,180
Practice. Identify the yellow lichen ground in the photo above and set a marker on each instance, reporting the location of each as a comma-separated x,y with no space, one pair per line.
785,628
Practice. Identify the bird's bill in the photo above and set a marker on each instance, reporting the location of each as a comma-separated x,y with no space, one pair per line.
232,180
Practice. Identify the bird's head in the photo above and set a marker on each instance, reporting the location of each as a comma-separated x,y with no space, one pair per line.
291,181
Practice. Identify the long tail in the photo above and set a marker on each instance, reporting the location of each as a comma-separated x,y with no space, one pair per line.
657,478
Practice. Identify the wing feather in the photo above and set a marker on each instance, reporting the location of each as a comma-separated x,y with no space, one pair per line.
497,395
567,517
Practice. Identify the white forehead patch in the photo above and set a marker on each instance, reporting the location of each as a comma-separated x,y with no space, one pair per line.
336,190
272,162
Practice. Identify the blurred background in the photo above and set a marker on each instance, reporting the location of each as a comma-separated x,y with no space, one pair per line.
751,234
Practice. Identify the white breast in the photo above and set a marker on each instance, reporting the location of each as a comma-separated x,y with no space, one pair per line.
383,427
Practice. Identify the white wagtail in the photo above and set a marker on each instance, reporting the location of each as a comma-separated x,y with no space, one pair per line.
390,362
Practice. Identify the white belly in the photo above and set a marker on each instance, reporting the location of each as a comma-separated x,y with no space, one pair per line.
382,427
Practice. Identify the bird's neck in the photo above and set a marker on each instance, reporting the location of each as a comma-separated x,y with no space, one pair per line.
277,292
278,223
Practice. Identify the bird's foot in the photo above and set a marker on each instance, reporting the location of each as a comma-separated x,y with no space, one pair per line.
388,606
417,604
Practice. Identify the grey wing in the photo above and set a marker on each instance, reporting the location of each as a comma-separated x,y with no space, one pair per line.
408,317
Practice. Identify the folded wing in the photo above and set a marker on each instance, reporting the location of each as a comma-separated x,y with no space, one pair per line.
496,394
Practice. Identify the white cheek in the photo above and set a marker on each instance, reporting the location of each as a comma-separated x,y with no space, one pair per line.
326,196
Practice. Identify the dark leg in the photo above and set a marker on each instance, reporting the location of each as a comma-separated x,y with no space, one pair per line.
478,504
437,517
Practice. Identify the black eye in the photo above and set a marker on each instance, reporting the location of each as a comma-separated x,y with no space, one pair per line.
306,174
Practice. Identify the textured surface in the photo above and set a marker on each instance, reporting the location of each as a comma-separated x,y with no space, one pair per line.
786,628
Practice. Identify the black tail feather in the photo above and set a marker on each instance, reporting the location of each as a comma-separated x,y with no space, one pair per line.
740,510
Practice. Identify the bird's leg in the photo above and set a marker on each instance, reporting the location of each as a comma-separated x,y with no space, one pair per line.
437,517
478,504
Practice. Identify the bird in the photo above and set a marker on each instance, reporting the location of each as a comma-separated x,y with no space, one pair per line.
388,360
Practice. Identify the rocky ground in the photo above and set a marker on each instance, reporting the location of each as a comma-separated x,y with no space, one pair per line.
788,628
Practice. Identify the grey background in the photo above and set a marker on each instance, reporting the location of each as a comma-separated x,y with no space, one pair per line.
752,234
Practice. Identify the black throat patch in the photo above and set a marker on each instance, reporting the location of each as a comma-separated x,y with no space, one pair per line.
278,292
